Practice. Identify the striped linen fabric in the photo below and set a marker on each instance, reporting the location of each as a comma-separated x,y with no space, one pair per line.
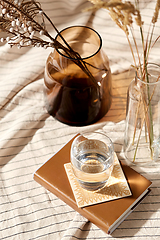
29,136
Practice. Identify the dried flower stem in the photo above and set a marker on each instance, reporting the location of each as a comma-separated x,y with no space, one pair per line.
123,14
18,19
144,120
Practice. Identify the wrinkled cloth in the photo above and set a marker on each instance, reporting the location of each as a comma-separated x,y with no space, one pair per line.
29,136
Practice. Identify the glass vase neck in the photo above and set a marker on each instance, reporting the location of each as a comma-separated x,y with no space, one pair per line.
69,37
149,75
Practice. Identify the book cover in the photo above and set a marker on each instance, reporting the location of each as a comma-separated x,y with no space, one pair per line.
107,215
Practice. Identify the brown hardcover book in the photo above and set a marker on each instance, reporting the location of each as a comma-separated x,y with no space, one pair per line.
107,215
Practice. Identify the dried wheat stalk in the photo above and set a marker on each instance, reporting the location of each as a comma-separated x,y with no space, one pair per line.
123,13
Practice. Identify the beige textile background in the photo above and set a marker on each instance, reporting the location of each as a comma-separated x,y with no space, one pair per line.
29,136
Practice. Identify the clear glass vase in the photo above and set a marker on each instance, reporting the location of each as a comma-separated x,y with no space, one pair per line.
71,96
142,133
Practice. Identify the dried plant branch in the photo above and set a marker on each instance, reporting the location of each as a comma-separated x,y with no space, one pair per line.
24,22
123,13
146,121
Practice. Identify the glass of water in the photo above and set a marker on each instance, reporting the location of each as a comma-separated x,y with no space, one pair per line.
92,158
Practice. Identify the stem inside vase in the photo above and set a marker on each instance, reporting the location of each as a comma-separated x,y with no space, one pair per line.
142,133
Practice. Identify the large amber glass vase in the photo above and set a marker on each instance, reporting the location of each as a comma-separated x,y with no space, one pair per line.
71,95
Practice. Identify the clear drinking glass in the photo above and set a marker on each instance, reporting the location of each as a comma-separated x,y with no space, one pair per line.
92,158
